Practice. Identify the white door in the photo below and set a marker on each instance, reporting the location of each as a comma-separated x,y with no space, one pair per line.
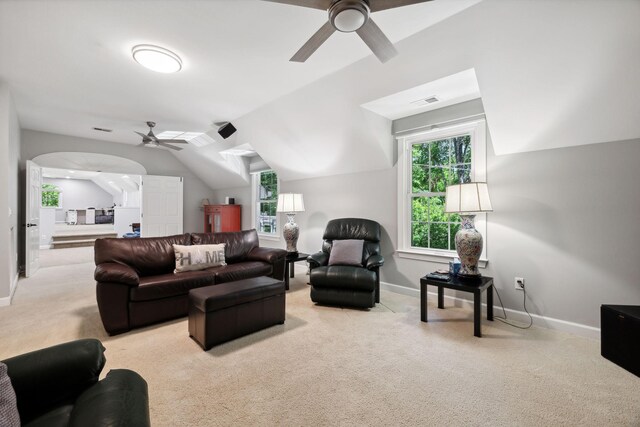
32,218
161,206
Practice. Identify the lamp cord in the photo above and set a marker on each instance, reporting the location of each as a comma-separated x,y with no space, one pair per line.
524,305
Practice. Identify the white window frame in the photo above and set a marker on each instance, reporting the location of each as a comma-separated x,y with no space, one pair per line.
255,204
477,130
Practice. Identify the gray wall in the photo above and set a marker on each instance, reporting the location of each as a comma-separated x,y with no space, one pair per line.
242,197
564,219
157,162
80,194
9,157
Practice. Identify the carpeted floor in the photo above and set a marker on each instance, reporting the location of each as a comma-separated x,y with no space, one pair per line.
332,366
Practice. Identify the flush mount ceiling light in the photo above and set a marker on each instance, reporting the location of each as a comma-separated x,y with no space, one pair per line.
156,58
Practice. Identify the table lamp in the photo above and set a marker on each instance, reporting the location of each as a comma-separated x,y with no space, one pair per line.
290,203
467,200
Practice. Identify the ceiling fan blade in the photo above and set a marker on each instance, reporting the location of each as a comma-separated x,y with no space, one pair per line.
373,36
313,43
169,146
376,5
144,137
173,141
315,4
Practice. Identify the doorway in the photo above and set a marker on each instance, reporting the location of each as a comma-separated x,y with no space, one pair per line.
133,197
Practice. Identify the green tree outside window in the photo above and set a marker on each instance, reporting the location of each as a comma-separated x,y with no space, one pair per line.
435,165
267,202
51,196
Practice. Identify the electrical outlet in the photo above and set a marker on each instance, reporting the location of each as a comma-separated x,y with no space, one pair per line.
519,283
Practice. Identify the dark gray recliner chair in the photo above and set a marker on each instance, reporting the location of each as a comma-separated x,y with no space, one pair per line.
347,285
60,386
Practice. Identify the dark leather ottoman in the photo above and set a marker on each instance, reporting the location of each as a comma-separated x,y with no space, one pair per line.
230,310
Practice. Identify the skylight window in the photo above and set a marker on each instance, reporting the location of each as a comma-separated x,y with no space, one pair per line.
197,139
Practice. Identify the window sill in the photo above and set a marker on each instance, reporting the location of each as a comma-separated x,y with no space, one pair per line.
442,257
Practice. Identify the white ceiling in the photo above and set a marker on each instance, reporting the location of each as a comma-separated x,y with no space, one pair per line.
551,73
69,65
112,183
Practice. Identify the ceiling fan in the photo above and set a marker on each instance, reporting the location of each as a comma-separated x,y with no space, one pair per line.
348,16
150,140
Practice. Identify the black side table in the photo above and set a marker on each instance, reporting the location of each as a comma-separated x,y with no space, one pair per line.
475,287
289,270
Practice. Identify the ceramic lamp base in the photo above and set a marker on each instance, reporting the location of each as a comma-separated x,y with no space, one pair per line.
469,248
291,232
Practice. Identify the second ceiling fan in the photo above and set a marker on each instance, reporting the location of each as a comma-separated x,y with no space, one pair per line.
348,16
150,140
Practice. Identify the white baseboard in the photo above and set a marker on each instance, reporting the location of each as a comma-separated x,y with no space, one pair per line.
5,301
518,316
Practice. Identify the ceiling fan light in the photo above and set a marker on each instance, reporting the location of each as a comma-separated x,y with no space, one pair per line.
156,58
349,20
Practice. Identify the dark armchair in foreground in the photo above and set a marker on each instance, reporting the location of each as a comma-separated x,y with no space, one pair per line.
352,276
58,386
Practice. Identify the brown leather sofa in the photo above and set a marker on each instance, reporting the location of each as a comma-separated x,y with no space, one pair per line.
136,285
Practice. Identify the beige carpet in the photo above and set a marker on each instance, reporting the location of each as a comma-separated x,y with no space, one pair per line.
331,366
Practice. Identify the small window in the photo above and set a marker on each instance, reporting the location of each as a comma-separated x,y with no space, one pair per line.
51,196
266,202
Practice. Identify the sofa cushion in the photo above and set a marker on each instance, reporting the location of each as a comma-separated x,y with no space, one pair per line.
58,417
198,257
148,256
346,252
242,270
343,277
238,243
171,284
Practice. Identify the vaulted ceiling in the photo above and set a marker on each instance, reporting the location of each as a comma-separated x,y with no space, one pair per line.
551,74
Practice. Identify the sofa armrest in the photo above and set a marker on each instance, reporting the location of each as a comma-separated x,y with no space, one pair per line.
116,273
47,378
374,261
270,255
318,259
273,256
120,399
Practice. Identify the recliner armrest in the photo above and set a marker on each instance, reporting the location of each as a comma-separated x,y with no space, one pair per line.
46,378
270,255
374,261
116,273
120,399
318,259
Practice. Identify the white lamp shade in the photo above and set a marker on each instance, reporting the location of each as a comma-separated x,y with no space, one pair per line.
290,202
471,197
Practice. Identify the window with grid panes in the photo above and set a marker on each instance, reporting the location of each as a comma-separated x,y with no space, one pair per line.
267,202
435,164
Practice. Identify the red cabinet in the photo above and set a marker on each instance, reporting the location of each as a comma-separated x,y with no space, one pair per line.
220,218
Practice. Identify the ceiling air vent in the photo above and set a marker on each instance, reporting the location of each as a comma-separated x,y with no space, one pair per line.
425,101
103,130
